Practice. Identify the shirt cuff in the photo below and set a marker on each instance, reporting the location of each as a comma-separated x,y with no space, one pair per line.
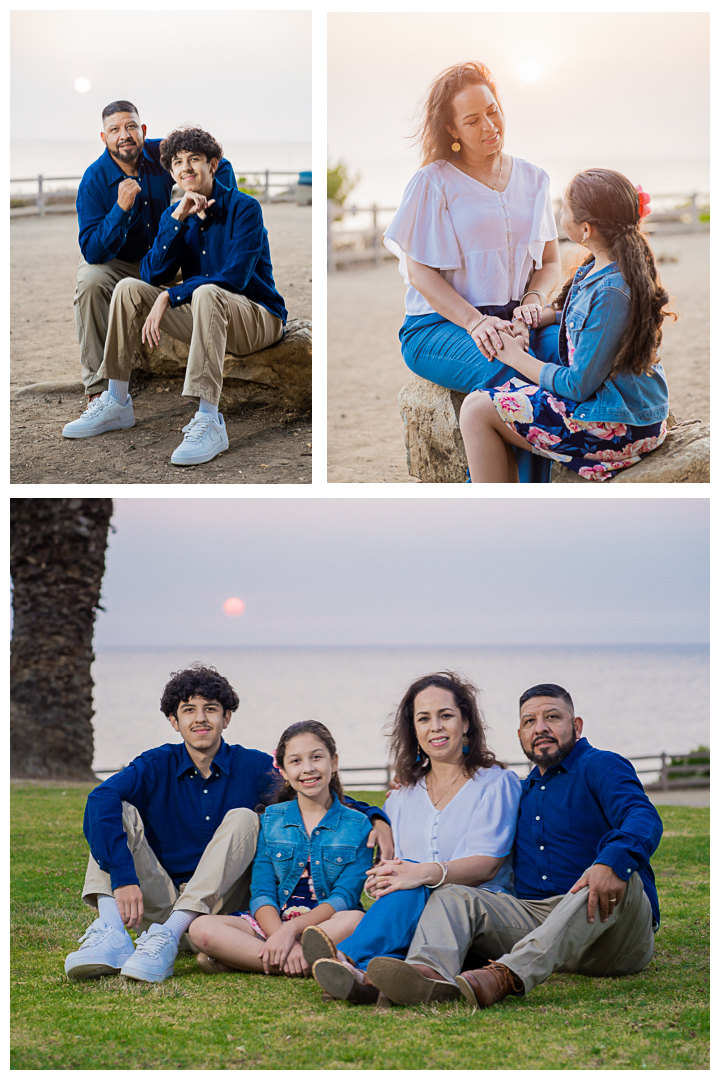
619,861
263,901
337,901
121,876
547,377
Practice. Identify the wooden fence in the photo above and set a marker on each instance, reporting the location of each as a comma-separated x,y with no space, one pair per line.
676,212
260,181
661,768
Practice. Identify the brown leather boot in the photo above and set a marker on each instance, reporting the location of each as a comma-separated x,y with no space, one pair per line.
488,985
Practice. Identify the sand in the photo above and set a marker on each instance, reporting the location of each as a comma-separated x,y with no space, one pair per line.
265,446
366,370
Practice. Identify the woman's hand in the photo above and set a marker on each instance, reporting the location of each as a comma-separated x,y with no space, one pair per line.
151,329
276,950
394,875
486,335
529,313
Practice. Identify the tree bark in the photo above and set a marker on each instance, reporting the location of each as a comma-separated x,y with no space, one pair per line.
57,561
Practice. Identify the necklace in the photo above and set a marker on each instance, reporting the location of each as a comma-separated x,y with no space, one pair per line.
443,793
493,187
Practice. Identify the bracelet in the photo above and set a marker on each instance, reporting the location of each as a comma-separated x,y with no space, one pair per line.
537,292
444,868
477,323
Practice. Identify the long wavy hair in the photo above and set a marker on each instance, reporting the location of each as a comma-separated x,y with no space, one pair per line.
436,108
404,747
283,792
608,200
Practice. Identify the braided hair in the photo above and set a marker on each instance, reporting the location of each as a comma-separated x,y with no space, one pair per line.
607,200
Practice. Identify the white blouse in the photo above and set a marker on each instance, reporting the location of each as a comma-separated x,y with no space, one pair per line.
485,243
479,820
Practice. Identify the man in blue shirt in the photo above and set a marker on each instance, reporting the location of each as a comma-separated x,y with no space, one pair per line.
585,892
227,299
120,201
173,835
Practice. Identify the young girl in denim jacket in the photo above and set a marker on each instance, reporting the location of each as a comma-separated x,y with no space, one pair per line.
604,405
309,869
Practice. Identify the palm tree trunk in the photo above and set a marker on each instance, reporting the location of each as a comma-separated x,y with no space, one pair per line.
57,560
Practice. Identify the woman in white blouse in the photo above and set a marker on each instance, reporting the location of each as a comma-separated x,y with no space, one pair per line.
476,239
453,820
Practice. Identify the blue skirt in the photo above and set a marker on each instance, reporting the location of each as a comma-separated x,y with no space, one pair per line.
444,353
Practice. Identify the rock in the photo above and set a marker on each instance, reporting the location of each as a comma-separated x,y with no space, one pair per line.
435,451
436,455
280,375
684,458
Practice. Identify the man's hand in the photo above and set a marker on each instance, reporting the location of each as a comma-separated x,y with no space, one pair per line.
382,836
191,203
127,190
151,329
606,890
129,899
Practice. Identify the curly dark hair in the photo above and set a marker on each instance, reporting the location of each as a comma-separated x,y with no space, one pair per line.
608,200
403,740
197,681
191,139
283,792
437,107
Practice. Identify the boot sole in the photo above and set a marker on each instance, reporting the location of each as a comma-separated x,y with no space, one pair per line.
467,992
340,982
405,985
316,945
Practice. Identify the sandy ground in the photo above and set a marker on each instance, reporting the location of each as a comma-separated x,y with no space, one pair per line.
366,370
265,445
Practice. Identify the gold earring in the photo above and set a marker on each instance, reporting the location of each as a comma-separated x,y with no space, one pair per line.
455,147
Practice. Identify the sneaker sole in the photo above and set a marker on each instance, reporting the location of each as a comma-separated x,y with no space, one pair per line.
97,431
91,971
201,459
140,976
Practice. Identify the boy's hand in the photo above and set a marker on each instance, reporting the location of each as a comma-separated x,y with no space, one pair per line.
151,329
191,203
382,836
129,899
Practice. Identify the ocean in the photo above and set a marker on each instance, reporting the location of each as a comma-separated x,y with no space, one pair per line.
50,157
635,699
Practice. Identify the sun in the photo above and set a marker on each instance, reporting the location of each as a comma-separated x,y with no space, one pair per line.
82,85
234,607
530,71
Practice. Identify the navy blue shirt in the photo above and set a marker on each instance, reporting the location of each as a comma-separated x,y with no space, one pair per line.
228,248
180,809
109,232
590,808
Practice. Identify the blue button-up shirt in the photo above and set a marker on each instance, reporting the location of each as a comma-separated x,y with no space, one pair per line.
180,808
591,808
596,316
228,247
109,232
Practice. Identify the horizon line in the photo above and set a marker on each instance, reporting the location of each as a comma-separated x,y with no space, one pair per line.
420,645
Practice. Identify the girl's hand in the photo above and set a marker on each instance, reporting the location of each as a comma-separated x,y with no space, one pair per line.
277,948
521,331
486,335
529,313
513,349
296,966
151,329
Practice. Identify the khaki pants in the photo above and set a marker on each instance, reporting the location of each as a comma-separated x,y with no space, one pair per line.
215,321
93,293
534,938
220,884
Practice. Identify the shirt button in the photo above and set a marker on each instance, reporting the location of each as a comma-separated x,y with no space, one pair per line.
542,847
204,791
204,252
338,859
278,854
164,247
629,870
317,862
544,877
300,864
285,891
542,788
537,817
207,818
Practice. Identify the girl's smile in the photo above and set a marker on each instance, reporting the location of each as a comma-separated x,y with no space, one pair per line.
309,768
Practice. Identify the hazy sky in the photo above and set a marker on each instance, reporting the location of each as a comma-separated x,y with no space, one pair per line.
613,86
242,74
432,571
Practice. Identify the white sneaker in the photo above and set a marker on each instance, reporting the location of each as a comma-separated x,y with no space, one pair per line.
205,438
154,956
103,951
102,414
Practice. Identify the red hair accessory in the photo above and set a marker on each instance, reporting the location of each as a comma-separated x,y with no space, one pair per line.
274,757
644,201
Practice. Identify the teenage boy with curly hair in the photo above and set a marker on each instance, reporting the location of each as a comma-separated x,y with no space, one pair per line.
172,836
227,299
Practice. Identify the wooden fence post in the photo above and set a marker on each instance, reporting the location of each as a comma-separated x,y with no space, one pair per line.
41,197
663,772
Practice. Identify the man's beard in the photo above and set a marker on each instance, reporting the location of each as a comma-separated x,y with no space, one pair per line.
128,154
552,755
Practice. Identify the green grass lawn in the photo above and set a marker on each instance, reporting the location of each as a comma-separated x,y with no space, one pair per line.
655,1020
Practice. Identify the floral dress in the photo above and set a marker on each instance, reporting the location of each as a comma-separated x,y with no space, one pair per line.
302,900
594,450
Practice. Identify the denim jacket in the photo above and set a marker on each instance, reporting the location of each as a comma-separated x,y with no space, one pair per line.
595,316
337,850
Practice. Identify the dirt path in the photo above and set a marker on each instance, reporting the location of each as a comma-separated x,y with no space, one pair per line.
366,370
266,447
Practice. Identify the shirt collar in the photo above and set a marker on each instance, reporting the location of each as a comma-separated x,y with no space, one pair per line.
330,821
583,271
113,172
568,764
221,195
221,759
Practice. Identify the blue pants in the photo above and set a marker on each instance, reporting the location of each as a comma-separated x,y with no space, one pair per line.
438,350
387,928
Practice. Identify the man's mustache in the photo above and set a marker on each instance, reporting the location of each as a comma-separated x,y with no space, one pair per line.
545,738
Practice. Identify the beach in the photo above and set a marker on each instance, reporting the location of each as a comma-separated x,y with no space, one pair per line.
366,370
265,445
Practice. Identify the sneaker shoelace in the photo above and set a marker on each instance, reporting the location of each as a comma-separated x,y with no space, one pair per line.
95,406
153,944
94,935
196,429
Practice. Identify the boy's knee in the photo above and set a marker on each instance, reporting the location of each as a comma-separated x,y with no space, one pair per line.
242,819
206,296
